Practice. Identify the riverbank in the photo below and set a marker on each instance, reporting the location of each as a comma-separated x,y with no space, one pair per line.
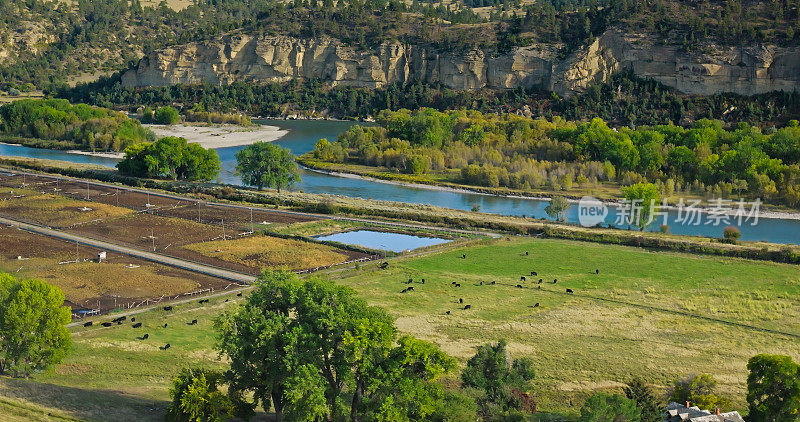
219,136
333,169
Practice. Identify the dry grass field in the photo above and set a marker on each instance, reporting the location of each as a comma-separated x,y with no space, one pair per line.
54,210
273,252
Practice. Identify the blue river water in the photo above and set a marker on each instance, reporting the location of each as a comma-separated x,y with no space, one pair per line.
303,134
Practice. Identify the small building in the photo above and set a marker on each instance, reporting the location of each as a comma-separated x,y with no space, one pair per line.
677,412
101,256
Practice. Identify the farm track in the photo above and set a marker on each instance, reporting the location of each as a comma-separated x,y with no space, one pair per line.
149,256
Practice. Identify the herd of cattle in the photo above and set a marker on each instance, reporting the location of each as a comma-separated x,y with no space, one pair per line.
523,278
135,324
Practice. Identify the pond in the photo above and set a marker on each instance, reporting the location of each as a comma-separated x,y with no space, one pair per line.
385,241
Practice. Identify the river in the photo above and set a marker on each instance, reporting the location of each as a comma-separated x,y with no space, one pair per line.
303,134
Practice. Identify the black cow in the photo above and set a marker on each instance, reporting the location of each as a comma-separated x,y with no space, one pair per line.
165,325
165,347
144,337
106,324
423,281
383,265
168,308
597,271
137,325
570,291
540,281
492,283
447,312
410,280
522,278
87,324
460,300
555,280
526,253
536,305
194,322
133,319
458,284
239,294
519,286
203,300
534,273
118,320
464,256
467,307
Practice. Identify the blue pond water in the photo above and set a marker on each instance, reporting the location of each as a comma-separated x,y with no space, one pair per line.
385,241
303,134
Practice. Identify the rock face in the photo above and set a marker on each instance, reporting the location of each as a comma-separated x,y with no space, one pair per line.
259,59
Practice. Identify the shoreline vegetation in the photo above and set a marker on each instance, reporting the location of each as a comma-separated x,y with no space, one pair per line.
336,205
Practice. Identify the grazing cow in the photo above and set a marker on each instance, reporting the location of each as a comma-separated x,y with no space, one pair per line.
165,347
165,325
452,283
410,280
137,325
227,300
555,280
106,324
534,273
467,307
407,282
597,271
492,283
411,289
519,286
239,294
540,281
570,291
522,278
194,322
423,281
87,324
144,337
133,319
526,253
203,300
383,265
119,320
447,312
463,256
168,308
481,283
460,300
458,284
536,305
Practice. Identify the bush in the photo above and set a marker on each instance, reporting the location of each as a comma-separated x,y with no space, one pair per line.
731,234
196,397
166,116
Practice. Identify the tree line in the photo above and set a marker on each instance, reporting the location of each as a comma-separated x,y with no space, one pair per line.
506,150
79,125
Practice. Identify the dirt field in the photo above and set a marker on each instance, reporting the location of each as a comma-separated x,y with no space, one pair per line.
238,218
119,280
55,210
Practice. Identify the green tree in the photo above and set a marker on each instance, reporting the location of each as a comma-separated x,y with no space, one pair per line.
166,115
609,408
33,332
646,196
171,158
196,397
310,349
773,389
557,208
647,403
698,390
502,380
264,164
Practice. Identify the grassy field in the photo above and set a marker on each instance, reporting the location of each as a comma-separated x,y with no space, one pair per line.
273,252
658,315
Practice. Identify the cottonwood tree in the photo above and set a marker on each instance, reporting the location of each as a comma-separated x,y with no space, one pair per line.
557,208
773,389
310,349
609,407
196,397
170,158
264,164
33,332
647,197
502,380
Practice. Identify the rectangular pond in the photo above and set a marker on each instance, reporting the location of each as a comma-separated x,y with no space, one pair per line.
385,241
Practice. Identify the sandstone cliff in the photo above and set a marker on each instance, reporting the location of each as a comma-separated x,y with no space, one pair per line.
743,70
